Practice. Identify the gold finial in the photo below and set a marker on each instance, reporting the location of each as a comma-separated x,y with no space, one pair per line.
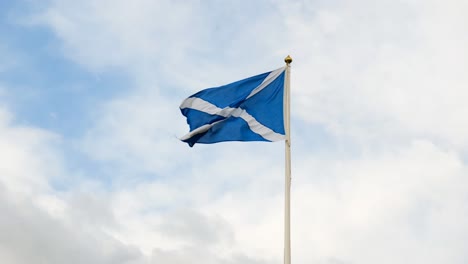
288,60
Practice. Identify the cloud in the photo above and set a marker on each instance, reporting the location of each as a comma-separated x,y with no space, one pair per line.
135,132
189,255
31,235
22,172
380,72
86,222
34,222
185,42
409,201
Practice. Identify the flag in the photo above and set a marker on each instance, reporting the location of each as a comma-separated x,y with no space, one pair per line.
247,110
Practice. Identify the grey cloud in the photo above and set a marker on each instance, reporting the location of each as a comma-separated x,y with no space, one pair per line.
196,228
29,235
33,220
202,254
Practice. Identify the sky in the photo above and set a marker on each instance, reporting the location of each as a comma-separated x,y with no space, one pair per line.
92,171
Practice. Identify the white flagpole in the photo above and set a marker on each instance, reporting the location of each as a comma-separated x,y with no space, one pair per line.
287,188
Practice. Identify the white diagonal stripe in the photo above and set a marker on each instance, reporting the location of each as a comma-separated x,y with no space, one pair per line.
257,127
202,105
206,107
270,78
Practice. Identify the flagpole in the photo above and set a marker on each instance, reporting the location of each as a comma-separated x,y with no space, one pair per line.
287,188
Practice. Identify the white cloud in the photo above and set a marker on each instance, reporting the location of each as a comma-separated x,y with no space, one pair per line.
410,201
405,206
22,172
184,42
381,72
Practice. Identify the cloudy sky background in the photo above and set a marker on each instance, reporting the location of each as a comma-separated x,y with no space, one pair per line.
91,170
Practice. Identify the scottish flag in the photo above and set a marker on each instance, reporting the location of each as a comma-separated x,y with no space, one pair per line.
246,110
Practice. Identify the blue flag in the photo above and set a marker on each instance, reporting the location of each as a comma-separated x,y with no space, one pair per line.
246,110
